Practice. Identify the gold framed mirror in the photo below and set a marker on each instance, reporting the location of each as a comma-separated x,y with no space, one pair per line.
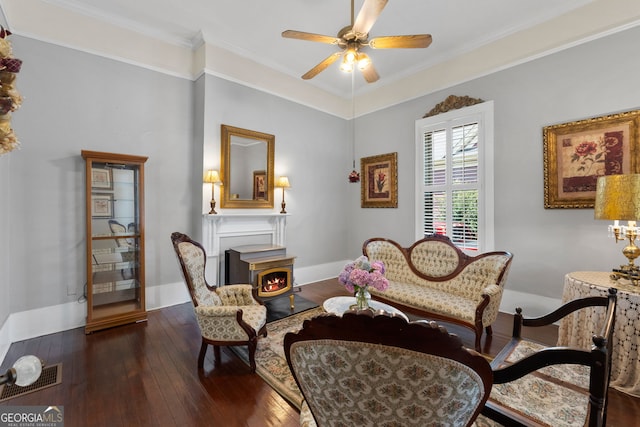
247,168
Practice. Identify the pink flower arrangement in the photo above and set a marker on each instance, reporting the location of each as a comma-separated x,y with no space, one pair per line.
362,273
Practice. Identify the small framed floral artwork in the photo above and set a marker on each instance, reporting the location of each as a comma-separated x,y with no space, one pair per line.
102,205
379,188
577,153
101,179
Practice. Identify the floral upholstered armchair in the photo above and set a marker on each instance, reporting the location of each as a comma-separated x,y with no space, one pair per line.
366,370
227,315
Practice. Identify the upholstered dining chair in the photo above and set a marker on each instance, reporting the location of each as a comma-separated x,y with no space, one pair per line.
368,370
227,315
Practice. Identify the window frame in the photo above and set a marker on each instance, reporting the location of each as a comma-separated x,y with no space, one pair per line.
483,114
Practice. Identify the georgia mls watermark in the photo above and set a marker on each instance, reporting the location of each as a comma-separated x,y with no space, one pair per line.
31,416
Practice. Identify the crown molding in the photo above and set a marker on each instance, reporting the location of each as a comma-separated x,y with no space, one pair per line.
42,20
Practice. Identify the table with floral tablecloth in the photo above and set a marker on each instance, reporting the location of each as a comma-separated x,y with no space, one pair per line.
577,329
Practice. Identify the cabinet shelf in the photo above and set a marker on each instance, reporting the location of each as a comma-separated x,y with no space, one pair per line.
115,243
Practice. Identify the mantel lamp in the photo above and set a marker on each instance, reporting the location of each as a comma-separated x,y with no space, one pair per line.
283,182
618,199
212,177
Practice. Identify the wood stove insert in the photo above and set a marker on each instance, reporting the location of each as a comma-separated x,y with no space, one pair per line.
267,267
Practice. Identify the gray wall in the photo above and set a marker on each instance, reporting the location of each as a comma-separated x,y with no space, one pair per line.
75,101
310,148
597,78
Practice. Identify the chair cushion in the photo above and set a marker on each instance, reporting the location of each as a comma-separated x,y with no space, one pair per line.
403,387
419,297
219,323
557,395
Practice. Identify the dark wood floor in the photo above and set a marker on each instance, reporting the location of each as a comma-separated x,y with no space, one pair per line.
145,375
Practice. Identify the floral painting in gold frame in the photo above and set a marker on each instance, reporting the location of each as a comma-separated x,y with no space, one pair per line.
379,188
577,153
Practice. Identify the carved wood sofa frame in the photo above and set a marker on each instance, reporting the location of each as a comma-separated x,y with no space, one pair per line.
472,284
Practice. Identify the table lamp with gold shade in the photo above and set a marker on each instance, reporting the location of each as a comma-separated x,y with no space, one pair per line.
212,177
618,199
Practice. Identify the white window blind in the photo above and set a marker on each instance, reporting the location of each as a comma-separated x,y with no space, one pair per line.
451,184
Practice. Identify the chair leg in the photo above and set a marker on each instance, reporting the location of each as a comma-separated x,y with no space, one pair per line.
203,352
263,330
252,355
489,330
478,337
216,355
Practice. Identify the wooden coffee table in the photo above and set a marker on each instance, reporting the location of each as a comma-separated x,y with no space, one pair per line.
339,305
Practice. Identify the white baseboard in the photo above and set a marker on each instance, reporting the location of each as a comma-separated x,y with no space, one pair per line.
29,324
532,305
316,273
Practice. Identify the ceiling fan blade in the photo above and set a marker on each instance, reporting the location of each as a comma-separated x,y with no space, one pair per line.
300,35
322,66
370,74
368,16
391,42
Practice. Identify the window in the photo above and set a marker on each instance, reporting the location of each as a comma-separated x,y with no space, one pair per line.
454,182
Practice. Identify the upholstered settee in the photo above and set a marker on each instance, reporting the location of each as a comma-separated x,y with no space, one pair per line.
433,277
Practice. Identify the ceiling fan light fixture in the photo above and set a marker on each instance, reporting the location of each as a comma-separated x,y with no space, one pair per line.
346,67
348,61
351,55
354,37
363,61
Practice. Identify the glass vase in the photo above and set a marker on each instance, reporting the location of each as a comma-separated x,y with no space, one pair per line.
362,298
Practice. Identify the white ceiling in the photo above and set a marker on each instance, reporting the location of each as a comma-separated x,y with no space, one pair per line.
517,30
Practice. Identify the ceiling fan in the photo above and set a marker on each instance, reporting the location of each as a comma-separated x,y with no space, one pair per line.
354,38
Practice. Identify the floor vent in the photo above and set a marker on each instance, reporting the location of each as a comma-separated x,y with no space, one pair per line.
51,375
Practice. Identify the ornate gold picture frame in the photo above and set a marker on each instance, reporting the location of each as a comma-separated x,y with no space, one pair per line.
577,153
379,188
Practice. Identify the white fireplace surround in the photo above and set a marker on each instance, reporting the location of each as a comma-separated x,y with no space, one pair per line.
220,231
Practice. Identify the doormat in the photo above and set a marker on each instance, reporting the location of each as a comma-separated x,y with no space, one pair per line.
50,376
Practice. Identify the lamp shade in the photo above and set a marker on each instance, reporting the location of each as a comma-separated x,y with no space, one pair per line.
283,182
618,197
212,177
28,370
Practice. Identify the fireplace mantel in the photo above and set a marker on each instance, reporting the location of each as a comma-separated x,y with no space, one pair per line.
216,229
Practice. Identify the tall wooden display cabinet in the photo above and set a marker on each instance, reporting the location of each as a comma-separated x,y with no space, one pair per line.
115,239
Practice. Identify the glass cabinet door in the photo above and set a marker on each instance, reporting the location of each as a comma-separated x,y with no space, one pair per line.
115,243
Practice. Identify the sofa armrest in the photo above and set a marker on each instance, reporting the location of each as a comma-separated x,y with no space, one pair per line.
492,290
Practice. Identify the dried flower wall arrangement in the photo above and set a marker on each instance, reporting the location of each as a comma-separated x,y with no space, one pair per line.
10,99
